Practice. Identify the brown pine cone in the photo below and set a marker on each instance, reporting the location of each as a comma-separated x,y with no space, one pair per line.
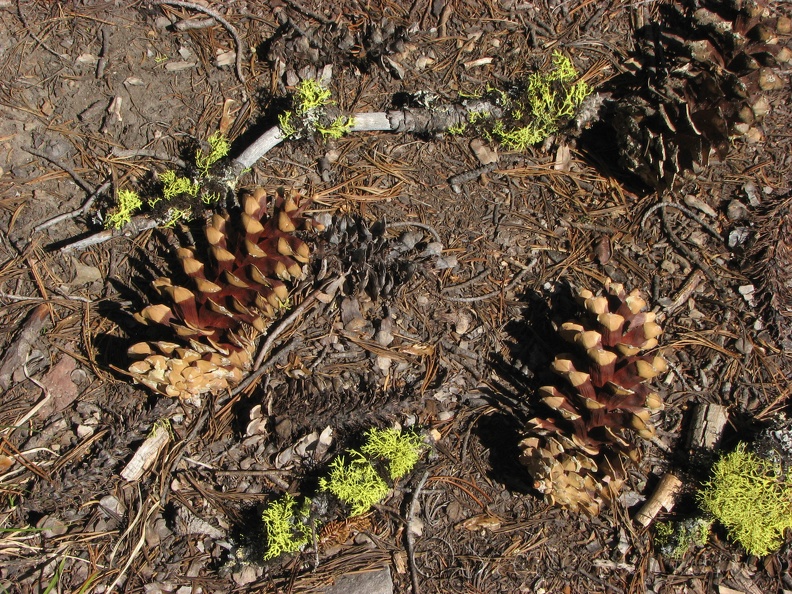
575,452
768,261
702,74
231,300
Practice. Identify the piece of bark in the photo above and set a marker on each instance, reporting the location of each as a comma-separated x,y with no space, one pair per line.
707,426
147,453
17,353
663,497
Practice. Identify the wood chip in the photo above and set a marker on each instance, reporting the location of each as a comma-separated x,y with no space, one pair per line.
147,453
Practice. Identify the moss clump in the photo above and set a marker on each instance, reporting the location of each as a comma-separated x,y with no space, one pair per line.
752,498
550,99
287,527
400,450
129,203
356,483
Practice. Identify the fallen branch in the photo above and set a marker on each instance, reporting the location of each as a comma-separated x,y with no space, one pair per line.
415,121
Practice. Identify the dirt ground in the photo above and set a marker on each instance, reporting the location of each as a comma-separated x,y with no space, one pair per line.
471,325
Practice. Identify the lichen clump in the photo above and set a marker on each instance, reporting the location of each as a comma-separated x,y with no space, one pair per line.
179,196
287,526
399,450
674,539
550,99
752,498
355,482
308,115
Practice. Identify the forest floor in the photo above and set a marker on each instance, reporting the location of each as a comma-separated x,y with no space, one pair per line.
83,81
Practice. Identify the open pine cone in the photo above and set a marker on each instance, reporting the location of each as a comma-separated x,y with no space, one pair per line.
702,75
768,261
230,301
575,452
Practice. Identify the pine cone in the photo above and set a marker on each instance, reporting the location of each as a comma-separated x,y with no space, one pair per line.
230,302
373,263
701,78
576,453
769,262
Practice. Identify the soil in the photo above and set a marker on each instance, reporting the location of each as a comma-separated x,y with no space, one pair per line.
471,320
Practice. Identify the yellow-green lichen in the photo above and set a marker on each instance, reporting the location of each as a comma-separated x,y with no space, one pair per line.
287,527
218,148
286,125
175,215
752,498
674,539
400,450
457,130
338,128
356,483
129,203
310,95
173,185
550,98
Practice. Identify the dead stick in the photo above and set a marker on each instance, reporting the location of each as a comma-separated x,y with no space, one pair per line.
216,16
409,537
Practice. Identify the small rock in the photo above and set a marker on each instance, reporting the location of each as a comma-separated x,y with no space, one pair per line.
225,58
246,575
377,581
112,505
752,192
484,153
738,236
736,211
51,526
743,346
85,274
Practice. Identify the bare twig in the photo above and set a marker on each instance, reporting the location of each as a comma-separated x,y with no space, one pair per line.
416,121
704,224
456,181
134,227
78,212
517,278
161,156
102,63
423,226
77,178
228,26
409,537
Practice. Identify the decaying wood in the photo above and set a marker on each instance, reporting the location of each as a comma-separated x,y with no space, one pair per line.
664,497
707,426
705,432
147,453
